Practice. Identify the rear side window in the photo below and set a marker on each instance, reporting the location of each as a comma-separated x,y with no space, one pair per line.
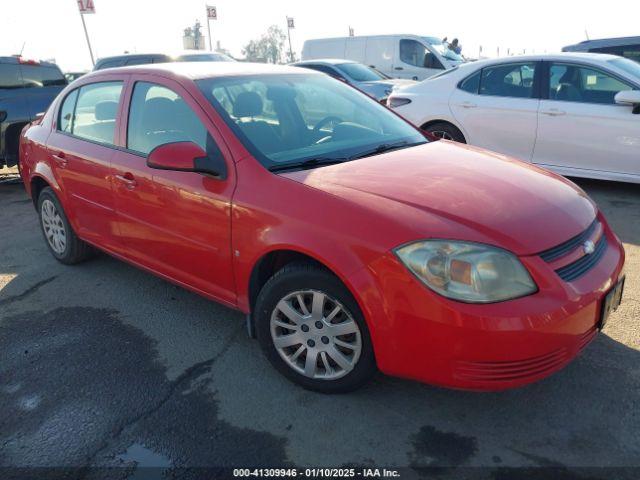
65,120
38,76
511,80
95,112
10,76
158,116
111,64
471,84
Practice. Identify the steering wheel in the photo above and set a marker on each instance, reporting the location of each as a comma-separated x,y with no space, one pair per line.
325,121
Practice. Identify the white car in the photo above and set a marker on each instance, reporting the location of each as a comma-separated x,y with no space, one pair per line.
577,114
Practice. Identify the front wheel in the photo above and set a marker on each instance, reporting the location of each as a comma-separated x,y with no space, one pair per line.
445,131
312,330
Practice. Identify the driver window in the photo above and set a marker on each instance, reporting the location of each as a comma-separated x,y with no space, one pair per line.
158,116
413,53
572,83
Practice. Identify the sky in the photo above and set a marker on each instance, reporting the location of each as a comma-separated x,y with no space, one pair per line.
53,28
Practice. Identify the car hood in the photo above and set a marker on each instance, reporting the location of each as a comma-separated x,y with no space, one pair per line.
454,191
390,82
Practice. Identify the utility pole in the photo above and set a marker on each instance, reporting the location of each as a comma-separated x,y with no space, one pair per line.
87,6
212,14
290,25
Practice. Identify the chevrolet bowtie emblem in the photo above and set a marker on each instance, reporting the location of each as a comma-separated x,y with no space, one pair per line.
588,247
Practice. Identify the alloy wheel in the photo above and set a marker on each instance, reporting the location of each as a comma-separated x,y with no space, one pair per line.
54,228
316,335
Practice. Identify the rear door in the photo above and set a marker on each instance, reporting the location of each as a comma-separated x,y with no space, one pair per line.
581,126
175,223
380,54
80,149
498,108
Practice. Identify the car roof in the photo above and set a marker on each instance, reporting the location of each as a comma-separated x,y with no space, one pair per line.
562,57
200,70
603,42
24,61
325,61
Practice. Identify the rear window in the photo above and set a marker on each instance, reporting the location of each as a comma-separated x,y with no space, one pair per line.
10,76
42,76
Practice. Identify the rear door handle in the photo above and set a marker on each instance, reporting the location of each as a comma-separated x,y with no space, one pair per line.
60,159
128,180
553,112
468,105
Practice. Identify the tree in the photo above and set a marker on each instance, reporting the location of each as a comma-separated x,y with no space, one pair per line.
269,48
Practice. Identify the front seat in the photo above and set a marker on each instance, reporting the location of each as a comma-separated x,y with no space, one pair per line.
567,90
246,107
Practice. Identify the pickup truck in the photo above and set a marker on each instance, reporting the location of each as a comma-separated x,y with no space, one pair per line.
27,87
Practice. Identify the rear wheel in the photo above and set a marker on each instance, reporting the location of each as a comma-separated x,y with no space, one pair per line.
62,241
311,329
445,131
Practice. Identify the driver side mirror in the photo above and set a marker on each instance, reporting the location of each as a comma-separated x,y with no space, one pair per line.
186,157
629,98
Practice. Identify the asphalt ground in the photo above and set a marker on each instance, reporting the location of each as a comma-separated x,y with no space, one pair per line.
107,371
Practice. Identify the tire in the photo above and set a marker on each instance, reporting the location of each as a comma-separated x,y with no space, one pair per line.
323,336
60,238
446,131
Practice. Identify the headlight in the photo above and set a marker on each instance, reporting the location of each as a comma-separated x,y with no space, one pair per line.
468,272
395,102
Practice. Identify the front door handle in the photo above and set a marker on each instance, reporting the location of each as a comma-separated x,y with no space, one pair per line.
128,180
399,68
60,159
553,112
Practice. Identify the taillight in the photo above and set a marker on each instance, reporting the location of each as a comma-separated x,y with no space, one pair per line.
395,102
25,61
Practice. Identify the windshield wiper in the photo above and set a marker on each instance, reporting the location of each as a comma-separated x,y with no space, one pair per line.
310,163
385,147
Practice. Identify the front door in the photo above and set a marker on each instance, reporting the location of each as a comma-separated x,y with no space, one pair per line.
177,224
415,61
580,127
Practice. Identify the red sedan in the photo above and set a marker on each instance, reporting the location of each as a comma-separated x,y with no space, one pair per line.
350,242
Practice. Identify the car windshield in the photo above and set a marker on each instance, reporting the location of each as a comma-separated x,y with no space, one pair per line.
446,52
206,57
359,72
289,119
629,66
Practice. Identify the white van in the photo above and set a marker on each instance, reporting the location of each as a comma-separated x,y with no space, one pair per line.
398,56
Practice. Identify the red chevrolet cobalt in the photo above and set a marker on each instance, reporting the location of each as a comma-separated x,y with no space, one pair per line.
349,241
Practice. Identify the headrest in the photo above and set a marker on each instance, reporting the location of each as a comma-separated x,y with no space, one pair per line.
247,104
106,110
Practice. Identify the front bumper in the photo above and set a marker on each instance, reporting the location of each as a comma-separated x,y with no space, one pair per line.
420,335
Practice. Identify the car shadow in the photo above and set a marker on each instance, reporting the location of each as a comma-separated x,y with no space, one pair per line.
620,203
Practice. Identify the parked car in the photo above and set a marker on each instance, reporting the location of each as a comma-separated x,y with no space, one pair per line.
349,240
146,58
27,87
575,114
628,47
372,82
399,56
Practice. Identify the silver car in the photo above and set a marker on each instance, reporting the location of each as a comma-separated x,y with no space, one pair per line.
364,78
